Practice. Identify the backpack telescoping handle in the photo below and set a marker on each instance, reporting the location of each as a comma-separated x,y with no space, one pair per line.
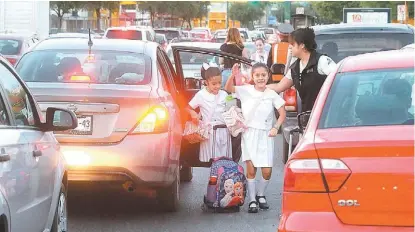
215,128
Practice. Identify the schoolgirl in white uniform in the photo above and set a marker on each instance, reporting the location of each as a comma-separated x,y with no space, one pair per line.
260,55
211,101
258,103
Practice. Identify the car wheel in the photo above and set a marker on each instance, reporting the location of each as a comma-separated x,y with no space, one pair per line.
169,197
60,221
284,150
186,174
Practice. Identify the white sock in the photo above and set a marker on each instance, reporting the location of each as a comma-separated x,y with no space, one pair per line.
251,189
261,189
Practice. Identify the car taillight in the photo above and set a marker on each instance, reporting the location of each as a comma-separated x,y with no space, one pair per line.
156,120
80,78
290,98
12,60
310,175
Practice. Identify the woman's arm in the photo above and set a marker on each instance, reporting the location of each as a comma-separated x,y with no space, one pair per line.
283,85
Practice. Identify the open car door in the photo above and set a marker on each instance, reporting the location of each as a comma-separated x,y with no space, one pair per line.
188,63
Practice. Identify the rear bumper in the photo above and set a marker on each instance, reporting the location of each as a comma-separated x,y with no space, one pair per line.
327,222
141,159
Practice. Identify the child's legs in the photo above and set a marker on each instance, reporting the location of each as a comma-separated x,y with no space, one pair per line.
263,183
266,173
250,177
250,170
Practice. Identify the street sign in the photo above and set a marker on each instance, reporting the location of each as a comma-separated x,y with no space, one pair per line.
299,10
401,12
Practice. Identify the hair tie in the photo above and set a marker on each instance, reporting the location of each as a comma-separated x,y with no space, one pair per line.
206,66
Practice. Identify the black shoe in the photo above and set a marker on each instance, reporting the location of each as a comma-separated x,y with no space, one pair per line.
262,205
253,207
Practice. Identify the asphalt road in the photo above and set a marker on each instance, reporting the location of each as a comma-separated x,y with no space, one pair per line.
103,210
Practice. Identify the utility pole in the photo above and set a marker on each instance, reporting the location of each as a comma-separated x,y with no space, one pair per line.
227,14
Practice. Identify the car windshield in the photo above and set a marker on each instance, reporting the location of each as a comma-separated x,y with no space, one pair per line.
370,98
124,34
169,34
340,46
10,46
102,67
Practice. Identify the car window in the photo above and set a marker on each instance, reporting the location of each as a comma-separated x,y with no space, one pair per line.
370,98
340,46
170,34
124,34
10,46
22,110
101,67
192,70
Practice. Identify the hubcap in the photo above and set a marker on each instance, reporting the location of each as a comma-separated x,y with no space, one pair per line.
62,214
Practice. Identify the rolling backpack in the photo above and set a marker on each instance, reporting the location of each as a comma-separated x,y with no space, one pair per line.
226,189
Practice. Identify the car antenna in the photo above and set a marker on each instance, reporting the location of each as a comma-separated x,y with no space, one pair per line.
90,43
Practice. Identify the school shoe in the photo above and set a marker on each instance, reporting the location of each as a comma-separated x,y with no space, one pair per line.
252,208
262,205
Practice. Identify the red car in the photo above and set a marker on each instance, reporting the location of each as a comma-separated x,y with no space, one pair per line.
353,169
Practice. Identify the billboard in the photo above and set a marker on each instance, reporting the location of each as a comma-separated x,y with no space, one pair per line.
366,15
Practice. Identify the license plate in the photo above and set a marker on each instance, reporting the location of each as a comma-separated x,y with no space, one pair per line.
84,126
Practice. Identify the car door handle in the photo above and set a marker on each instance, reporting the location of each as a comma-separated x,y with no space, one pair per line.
37,153
3,156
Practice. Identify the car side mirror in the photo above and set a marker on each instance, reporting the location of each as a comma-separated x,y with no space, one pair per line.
60,120
278,69
303,120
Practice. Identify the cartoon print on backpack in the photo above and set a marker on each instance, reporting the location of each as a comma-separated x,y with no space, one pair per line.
228,188
238,198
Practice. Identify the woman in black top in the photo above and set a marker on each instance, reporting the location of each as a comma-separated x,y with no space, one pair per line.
233,45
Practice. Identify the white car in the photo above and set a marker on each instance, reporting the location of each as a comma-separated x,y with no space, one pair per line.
131,33
410,46
33,173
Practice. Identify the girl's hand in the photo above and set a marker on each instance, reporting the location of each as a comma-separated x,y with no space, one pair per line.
273,132
236,69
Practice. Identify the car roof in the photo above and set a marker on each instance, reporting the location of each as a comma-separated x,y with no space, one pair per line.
365,27
13,36
122,45
378,60
207,45
130,28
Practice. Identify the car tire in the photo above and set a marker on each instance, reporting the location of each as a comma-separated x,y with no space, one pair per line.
60,220
186,174
169,198
284,150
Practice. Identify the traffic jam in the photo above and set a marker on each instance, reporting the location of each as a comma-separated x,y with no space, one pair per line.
275,127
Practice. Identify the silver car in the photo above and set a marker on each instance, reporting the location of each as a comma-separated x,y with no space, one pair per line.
125,98
33,177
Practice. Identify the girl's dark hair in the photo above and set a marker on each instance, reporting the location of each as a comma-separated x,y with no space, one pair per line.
305,36
209,73
260,39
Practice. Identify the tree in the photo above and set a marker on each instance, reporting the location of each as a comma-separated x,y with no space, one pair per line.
247,12
332,11
153,8
202,11
63,7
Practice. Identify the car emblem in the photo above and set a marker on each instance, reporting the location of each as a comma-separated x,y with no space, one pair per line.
72,107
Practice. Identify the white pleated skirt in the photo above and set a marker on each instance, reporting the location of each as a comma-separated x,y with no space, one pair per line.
258,147
216,147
